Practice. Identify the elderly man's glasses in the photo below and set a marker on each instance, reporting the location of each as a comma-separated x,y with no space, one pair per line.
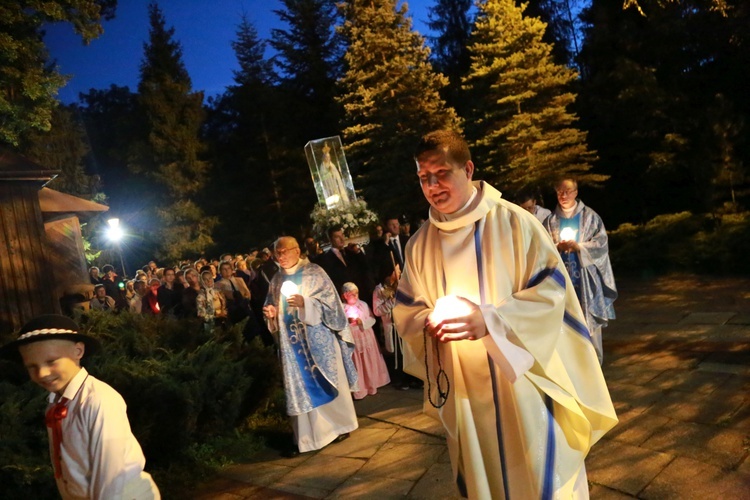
280,252
567,192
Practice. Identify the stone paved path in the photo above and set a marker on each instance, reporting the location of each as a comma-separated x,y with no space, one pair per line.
677,362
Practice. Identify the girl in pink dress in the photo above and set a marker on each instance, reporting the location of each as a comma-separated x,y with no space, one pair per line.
373,372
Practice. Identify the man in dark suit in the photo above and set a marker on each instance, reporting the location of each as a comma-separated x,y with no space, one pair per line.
345,264
396,241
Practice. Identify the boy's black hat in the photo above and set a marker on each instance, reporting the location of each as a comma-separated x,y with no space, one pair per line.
48,327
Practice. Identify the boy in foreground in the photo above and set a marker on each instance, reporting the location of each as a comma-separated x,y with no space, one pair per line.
94,453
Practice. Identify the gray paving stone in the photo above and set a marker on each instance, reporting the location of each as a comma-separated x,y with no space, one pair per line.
690,380
364,488
740,319
633,397
689,479
436,483
669,360
599,492
623,467
402,461
303,491
709,444
708,318
648,317
713,409
634,428
362,443
629,374
260,473
322,472
410,436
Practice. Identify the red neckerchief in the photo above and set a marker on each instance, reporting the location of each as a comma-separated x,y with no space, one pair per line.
53,419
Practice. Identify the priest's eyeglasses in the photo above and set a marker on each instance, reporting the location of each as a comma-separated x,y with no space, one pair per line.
567,192
280,252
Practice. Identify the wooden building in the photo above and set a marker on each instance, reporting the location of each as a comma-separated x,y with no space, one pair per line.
41,249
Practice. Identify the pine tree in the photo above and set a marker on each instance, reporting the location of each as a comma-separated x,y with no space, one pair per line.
241,146
391,97
170,153
519,126
28,80
309,62
452,22
563,27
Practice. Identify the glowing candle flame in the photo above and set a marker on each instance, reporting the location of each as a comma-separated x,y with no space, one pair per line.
450,307
288,289
568,234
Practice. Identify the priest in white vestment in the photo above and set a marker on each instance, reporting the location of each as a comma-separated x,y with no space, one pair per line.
316,349
509,365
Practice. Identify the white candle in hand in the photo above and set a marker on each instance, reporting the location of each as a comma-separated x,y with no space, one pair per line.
450,307
288,289
567,234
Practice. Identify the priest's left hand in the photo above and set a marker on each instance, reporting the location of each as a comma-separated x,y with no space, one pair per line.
296,300
470,326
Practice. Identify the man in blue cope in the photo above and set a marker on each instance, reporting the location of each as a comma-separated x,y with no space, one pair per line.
316,349
496,331
582,241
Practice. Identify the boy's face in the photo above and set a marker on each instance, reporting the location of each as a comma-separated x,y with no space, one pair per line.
52,364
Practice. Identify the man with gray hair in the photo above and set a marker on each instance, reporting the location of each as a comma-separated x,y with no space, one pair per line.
316,345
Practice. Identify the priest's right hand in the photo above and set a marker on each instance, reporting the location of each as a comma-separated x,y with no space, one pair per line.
269,311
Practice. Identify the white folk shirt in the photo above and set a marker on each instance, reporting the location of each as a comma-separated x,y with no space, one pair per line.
99,452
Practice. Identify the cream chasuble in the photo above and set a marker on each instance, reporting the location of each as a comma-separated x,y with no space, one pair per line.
527,402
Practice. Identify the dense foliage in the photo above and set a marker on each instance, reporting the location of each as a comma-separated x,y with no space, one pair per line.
660,88
683,242
28,82
188,391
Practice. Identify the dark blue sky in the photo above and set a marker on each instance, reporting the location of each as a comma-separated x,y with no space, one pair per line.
205,28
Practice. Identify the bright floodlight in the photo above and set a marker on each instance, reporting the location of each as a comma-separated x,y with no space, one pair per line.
114,233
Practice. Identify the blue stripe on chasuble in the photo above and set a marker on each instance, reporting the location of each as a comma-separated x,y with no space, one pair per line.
549,461
576,325
318,388
491,364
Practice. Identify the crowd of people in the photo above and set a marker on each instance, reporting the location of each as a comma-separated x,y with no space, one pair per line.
497,312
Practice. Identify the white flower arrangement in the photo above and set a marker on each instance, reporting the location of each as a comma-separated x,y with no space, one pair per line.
355,219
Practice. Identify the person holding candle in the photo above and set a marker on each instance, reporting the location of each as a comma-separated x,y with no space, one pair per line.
316,347
94,453
371,367
582,242
495,329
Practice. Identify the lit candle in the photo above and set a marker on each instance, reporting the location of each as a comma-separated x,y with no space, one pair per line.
288,289
450,307
568,234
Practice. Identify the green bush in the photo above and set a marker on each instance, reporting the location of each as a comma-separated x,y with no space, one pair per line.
189,393
682,242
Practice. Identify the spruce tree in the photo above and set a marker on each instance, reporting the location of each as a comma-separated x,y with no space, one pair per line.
238,132
170,152
519,124
309,63
451,21
391,97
